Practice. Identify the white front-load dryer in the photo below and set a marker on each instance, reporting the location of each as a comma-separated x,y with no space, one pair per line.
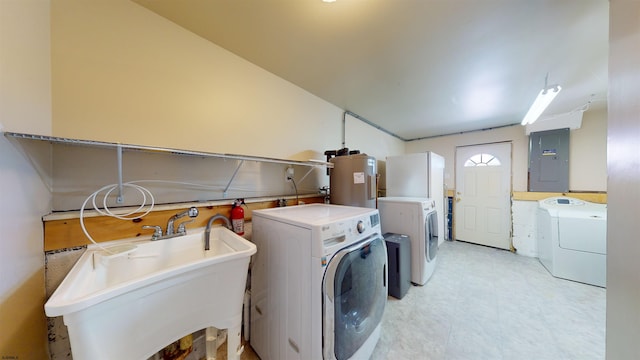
318,282
572,239
417,218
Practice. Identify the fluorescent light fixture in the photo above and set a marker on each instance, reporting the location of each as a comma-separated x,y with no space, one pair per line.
543,100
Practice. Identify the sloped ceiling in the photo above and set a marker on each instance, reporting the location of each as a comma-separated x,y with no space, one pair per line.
417,68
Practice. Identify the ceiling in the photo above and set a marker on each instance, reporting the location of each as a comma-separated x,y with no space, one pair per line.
417,68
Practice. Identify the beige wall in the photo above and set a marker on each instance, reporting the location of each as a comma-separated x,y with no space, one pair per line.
588,149
588,153
623,227
25,105
446,146
111,70
362,136
122,73
25,89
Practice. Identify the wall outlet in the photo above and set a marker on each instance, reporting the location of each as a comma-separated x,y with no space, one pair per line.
288,174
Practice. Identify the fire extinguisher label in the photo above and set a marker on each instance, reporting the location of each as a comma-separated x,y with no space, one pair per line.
238,226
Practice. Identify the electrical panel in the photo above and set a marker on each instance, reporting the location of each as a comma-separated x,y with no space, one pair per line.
549,161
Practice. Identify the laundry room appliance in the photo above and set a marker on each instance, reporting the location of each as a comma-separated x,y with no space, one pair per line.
353,179
399,264
572,239
418,219
318,282
418,175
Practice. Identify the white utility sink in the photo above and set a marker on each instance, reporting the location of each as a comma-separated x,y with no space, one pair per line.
131,304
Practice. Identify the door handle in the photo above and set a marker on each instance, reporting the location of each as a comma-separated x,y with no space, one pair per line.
458,199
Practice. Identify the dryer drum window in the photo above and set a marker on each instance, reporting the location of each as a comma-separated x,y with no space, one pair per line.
431,236
360,296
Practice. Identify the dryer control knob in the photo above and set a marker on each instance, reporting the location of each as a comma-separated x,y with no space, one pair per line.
360,227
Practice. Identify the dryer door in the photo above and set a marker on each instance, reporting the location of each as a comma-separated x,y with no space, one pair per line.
431,235
355,294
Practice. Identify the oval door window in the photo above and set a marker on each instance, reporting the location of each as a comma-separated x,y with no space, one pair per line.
482,160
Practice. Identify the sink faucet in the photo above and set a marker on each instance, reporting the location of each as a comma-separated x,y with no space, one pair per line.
207,231
182,229
192,212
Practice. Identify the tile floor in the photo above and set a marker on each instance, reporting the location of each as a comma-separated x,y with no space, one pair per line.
484,303
489,304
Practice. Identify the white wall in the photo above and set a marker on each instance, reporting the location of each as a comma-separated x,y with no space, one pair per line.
525,227
25,105
623,225
79,171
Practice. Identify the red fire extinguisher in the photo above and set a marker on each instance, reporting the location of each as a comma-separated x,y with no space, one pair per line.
237,216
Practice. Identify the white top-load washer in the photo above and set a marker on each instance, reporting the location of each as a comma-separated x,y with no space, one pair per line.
416,217
572,239
318,282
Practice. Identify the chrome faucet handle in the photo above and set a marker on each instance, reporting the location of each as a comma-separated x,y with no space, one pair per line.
192,212
157,233
182,229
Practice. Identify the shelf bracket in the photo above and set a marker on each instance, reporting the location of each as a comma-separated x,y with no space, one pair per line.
224,193
120,198
305,175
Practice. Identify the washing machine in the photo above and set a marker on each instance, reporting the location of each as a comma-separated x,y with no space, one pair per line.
417,218
572,239
318,282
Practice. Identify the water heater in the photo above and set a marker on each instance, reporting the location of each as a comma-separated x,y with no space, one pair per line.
353,180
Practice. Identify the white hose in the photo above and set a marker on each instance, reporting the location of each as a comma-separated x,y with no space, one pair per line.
147,196
107,212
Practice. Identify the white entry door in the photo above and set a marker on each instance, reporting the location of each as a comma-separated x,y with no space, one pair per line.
483,194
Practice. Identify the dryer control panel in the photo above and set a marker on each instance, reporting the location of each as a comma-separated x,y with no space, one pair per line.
563,201
349,231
